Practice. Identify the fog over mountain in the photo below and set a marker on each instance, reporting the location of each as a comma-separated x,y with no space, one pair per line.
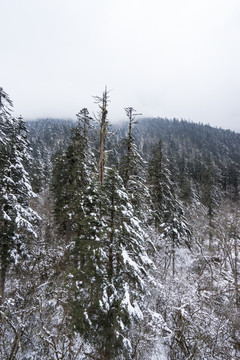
166,59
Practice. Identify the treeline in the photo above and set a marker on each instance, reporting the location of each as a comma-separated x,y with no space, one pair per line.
129,250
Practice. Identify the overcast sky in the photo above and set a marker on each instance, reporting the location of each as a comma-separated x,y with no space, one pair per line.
166,58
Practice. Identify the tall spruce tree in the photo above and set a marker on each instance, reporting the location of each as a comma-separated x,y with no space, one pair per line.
72,173
5,105
170,221
109,283
125,242
133,171
75,187
17,219
210,195
160,186
131,154
102,102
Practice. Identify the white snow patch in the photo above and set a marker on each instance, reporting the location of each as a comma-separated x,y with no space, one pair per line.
134,309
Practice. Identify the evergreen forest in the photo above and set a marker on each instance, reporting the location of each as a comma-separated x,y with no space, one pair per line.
118,241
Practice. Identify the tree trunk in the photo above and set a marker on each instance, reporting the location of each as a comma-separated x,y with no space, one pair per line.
2,284
103,135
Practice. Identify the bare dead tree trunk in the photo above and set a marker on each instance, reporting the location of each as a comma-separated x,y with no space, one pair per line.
236,270
103,102
2,285
131,114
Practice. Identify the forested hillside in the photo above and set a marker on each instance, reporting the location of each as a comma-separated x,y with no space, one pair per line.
118,241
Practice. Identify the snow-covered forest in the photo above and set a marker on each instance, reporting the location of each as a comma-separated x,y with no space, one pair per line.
120,241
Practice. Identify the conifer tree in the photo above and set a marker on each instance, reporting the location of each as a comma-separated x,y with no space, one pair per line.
210,196
77,211
80,194
127,260
16,216
103,122
5,105
111,277
170,221
131,155
60,186
160,185
72,173
133,172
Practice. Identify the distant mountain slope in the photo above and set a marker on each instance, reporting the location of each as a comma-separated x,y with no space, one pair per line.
190,147
46,136
49,134
184,135
207,156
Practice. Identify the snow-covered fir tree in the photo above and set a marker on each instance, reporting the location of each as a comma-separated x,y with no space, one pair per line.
133,171
127,266
109,282
170,221
17,217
